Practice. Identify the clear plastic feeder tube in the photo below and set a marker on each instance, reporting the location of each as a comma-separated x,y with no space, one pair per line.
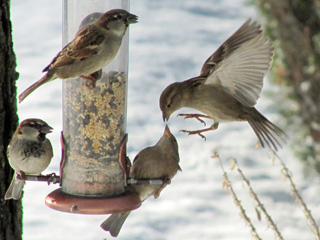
94,119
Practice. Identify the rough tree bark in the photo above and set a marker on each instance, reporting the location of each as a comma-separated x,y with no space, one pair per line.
294,25
10,211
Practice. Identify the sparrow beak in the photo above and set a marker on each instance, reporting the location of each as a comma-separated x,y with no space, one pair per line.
132,19
46,129
165,116
167,131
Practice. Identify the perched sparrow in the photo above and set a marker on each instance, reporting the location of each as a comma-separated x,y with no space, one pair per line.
93,47
160,161
228,86
29,152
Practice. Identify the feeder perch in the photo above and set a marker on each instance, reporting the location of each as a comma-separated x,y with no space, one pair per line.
50,178
94,164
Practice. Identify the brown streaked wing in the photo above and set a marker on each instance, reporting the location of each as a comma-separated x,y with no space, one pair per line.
247,31
86,44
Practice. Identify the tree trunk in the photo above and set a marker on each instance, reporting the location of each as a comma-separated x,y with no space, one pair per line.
10,211
294,25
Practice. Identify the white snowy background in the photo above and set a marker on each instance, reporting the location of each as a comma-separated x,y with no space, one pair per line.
170,43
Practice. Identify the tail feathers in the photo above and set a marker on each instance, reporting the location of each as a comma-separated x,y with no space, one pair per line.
267,133
15,189
46,78
114,223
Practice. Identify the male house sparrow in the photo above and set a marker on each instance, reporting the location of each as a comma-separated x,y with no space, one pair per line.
29,152
93,47
228,86
160,161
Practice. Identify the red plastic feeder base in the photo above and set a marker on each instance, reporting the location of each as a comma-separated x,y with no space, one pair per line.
58,200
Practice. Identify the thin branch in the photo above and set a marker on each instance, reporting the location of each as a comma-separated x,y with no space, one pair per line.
228,185
295,192
260,205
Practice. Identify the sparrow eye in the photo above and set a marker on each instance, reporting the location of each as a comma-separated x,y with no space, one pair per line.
169,105
117,17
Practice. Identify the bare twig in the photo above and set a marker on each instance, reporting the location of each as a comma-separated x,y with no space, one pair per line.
295,192
227,184
260,205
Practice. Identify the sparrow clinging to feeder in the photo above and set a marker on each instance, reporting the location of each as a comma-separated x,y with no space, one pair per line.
160,161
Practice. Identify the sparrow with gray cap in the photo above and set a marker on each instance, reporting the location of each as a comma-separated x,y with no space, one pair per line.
93,47
29,152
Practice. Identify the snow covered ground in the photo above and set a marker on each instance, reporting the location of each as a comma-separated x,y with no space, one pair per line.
170,43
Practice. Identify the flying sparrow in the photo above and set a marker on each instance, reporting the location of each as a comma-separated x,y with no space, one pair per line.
160,161
93,47
228,86
29,152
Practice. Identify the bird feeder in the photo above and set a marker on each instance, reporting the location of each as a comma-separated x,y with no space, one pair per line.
94,127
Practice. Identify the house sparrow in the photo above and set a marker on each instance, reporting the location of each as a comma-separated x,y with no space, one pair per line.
93,47
160,161
29,152
228,86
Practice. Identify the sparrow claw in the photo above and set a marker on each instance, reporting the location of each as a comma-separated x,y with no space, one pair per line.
21,175
196,116
51,175
53,178
90,81
166,181
194,132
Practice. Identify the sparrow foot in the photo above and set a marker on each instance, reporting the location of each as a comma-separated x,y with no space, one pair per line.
90,80
199,132
166,181
196,116
21,175
53,178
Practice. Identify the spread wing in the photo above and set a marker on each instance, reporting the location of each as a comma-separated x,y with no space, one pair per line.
240,64
86,44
